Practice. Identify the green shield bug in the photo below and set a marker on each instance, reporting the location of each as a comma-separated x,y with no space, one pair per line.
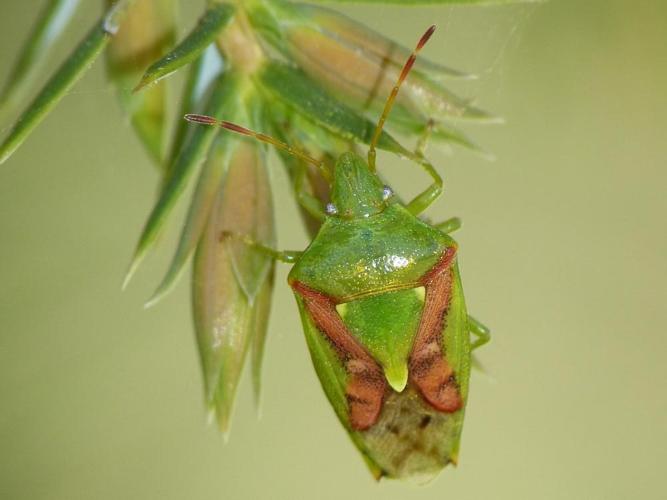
382,307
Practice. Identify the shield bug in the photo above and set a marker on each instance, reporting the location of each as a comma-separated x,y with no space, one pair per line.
383,312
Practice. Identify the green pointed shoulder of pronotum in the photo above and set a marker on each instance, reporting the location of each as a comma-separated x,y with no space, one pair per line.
382,307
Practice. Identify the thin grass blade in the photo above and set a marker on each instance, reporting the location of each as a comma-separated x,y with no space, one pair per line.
296,90
222,98
451,135
337,25
201,74
203,198
360,67
49,27
247,190
275,21
210,24
291,130
227,320
261,310
64,79
222,318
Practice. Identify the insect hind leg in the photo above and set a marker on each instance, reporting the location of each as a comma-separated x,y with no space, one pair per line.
449,225
480,331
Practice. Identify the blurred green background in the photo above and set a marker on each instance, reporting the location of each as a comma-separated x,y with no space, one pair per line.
563,254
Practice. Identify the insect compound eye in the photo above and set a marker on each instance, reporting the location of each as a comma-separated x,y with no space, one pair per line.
387,193
331,209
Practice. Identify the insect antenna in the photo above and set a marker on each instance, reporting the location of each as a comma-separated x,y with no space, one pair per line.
394,92
209,120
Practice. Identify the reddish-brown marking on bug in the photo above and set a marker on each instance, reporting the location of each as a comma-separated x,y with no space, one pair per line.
366,385
429,370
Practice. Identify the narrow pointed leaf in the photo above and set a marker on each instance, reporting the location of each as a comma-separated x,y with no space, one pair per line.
144,35
261,310
358,66
247,191
350,74
292,131
205,193
452,135
200,76
436,102
226,318
50,26
315,185
214,19
222,317
353,32
276,21
295,89
296,128
222,98
64,79
442,133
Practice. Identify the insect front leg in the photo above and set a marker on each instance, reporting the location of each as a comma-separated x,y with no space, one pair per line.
286,256
309,202
422,143
424,199
480,331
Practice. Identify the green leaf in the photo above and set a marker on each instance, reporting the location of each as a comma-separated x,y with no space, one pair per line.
145,34
50,26
295,89
227,318
349,31
278,21
247,191
328,60
261,309
210,24
448,134
293,129
223,98
64,79
205,193
201,74
359,67
222,316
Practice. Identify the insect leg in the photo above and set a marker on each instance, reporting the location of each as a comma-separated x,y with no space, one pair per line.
287,256
420,150
480,331
431,193
450,225
309,202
